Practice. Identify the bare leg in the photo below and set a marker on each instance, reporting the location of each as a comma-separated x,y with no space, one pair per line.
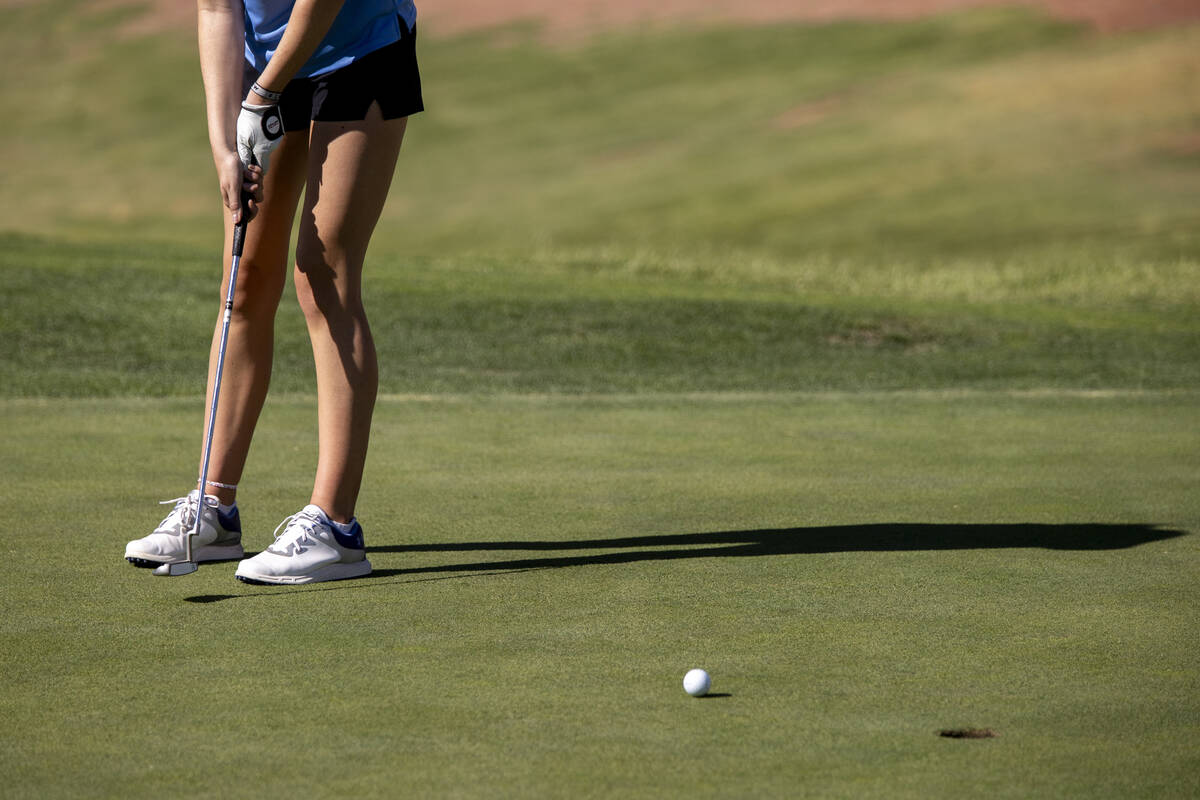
249,351
350,170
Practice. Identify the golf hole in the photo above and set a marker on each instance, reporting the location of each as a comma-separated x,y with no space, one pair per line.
968,733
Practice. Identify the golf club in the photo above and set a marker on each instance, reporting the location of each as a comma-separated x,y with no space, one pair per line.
188,565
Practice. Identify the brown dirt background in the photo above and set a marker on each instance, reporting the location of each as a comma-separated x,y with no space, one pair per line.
568,19
573,17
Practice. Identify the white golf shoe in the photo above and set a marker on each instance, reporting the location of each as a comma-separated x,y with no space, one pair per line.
219,539
309,549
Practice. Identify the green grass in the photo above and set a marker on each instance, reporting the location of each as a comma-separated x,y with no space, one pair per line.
88,319
988,136
547,569
986,200
856,363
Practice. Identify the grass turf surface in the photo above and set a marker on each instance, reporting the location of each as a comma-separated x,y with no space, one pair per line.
604,274
86,320
547,569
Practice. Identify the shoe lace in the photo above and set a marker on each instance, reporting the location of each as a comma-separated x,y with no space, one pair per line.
185,509
298,532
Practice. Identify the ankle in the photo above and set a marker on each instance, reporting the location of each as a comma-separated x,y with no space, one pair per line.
226,493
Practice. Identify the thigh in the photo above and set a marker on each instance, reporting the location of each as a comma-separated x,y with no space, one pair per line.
268,235
350,166
263,270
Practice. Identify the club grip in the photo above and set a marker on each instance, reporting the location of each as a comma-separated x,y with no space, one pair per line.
239,230
239,235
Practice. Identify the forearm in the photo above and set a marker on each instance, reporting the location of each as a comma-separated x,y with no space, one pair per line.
221,30
307,26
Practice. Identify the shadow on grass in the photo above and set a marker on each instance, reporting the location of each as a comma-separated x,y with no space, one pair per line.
889,537
793,541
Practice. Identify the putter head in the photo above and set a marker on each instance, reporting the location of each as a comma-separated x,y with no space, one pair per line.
178,568
185,567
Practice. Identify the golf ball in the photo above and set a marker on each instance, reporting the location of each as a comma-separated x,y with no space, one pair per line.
696,682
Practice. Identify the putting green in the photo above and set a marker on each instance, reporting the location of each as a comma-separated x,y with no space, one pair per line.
856,571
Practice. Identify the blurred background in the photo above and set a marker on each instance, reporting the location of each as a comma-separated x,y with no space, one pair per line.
665,196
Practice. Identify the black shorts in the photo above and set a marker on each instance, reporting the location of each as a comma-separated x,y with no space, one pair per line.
388,76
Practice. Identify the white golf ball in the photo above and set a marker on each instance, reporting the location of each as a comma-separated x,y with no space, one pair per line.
696,682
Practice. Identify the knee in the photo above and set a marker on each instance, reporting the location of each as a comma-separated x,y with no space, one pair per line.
323,286
311,283
259,287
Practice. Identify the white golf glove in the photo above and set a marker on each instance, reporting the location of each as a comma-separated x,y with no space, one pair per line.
259,129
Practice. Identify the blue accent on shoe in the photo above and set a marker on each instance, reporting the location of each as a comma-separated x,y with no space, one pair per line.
352,540
232,521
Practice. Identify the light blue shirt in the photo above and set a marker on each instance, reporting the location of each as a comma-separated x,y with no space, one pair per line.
361,27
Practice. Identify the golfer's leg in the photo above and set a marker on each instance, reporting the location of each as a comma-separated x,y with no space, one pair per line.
248,353
350,171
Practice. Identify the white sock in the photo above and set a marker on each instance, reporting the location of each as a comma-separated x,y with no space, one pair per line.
227,509
342,527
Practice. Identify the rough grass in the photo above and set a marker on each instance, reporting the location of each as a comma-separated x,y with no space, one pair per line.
990,136
985,199
84,320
